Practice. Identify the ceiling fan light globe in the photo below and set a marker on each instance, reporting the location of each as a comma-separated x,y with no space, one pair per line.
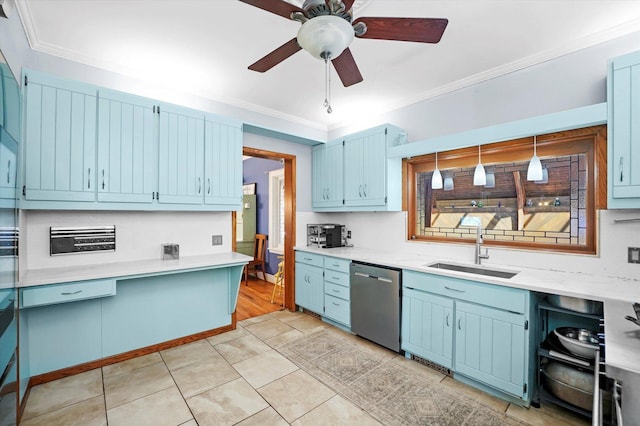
325,34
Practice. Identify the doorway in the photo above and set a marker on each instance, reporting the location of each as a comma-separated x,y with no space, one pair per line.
288,207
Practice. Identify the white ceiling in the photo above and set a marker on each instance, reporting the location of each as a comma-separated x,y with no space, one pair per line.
203,47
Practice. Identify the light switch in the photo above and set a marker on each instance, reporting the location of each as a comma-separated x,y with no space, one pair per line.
634,254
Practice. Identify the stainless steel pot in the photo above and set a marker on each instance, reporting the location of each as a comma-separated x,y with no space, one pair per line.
575,304
578,341
569,384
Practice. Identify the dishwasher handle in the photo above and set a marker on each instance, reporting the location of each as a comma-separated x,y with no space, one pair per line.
373,277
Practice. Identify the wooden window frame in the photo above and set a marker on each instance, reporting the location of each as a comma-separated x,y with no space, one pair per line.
591,140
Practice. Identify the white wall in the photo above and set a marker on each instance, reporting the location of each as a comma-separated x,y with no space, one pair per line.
571,81
139,235
387,230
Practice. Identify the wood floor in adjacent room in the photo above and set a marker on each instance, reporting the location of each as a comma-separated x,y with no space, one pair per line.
255,299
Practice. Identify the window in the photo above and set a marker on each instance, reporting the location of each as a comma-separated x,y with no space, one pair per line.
276,211
556,213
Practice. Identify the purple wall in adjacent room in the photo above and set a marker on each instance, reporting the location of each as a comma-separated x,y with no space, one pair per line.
256,170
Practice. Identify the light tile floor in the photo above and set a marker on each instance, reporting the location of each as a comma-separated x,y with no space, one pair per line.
232,378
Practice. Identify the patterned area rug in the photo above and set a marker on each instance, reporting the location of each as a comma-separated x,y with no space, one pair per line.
394,390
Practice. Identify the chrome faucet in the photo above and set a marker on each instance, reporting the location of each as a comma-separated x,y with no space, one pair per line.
479,254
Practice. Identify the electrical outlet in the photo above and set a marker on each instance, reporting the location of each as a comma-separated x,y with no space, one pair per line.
348,234
216,240
634,254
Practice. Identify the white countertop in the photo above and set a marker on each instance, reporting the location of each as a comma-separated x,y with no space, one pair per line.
35,277
622,337
586,286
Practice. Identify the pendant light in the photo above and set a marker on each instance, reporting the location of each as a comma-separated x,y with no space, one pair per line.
436,179
535,166
448,183
479,176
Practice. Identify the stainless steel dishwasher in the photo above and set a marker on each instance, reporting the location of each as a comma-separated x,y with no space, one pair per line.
375,304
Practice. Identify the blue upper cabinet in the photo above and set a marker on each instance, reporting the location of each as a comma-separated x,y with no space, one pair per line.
60,139
8,164
127,148
9,103
91,148
328,175
357,171
181,149
623,100
222,162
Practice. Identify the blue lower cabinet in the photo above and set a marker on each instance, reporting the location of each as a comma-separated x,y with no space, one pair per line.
427,326
63,335
148,311
310,287
491,347
57,331
472,332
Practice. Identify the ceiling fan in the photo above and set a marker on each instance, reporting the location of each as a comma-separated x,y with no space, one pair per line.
327,30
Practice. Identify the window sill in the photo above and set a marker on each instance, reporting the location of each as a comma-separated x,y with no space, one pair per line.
276,251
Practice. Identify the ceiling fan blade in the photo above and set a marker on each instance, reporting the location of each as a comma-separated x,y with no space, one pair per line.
279,7
347,69
277,56
421,30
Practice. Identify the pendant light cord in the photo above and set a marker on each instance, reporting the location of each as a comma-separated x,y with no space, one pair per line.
327,83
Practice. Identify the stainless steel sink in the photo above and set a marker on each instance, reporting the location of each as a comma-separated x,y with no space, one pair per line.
474,270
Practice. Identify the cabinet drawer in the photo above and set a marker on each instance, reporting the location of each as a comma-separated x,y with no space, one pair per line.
62,293
337,290
506,298
310,258
337,309
339,278
335,264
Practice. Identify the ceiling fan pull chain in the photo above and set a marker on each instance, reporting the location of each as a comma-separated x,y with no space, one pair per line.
327,85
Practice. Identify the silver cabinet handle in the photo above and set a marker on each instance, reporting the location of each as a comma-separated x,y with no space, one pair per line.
9,171
459,323
447,320
89,178
102,178
364,190
199,185
70,293
208,185
455,289
308,258
360,191
335,304
336,278
335,291
621,168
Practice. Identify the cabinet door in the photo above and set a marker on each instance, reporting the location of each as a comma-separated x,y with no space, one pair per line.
127,157
491,347
427,326
8,160
625,143
181,146
328,176
310,287
222,163
365,169
60,139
